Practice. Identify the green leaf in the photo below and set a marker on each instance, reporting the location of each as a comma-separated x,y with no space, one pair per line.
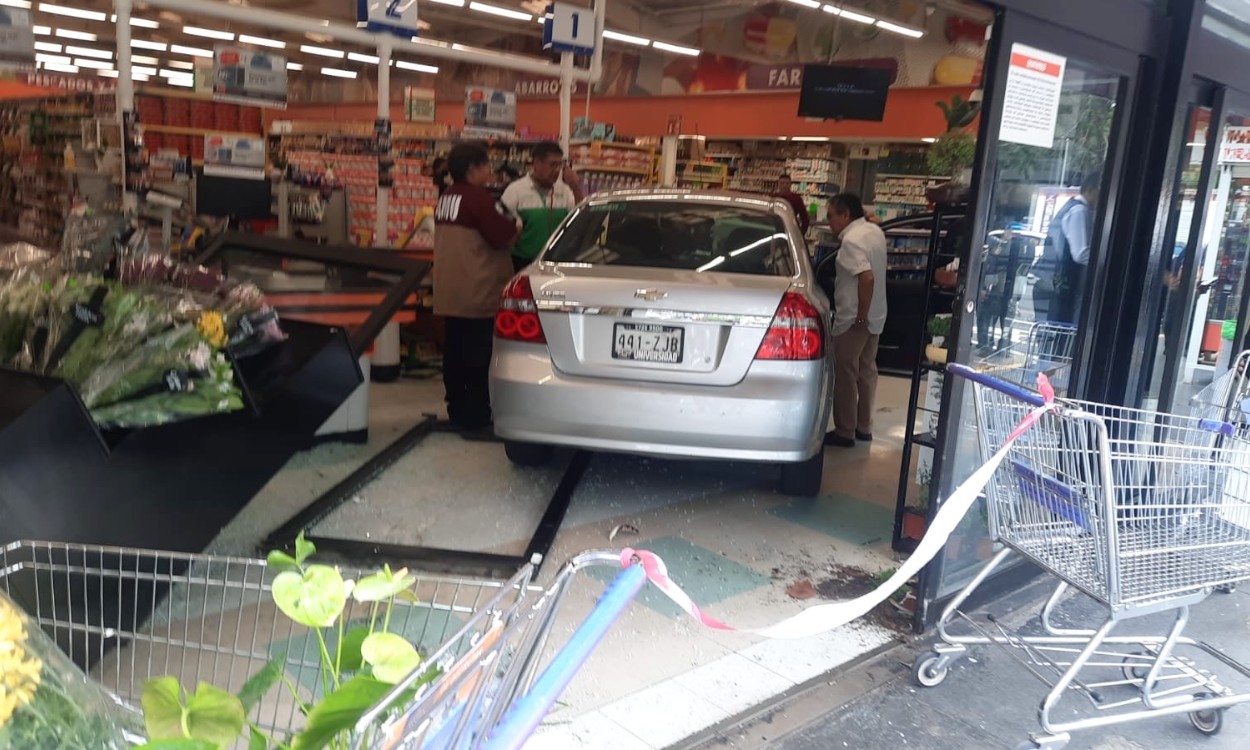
281,560
257,741
350,659
215,715
391,657
304,549
162,708
340,711
260,683
382,585
314,598
181,744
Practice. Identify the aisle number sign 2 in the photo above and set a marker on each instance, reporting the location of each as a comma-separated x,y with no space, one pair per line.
1031,99
569,28
395,16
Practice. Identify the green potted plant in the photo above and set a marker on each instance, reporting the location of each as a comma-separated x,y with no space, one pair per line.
939,327
916,517
954,151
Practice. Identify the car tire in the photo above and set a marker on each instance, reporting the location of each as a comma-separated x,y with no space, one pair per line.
804,478
527,454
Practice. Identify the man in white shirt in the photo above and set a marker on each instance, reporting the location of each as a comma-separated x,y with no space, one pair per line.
858,319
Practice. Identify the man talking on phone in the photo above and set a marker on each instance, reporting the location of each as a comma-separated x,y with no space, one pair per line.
541,200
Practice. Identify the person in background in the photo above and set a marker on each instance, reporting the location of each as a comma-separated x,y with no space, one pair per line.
1070,237
440,174
471,269
541,200
505,175
859,318
785,191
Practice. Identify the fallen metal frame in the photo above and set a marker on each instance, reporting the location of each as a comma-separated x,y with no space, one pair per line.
431,559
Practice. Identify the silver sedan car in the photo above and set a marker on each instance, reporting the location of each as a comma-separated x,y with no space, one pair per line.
668,323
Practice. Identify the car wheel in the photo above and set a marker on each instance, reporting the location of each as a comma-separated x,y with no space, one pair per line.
527,454
803,479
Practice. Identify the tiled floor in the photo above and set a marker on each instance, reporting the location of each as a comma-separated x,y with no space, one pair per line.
725,534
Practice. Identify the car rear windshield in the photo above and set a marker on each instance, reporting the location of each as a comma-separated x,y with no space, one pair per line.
685,235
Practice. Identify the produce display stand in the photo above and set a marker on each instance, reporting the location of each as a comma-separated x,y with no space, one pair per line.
176,485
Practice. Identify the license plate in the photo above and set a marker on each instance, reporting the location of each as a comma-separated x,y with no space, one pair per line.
647,343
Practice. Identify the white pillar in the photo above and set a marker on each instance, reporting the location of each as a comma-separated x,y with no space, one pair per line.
125,93
668,161
566,100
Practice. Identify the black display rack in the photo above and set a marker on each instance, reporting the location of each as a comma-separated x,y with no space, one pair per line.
174,486
941,250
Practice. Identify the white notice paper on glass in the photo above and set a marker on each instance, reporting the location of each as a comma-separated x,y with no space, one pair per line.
1031,102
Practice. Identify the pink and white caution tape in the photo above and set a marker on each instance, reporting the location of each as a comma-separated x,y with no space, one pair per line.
826,617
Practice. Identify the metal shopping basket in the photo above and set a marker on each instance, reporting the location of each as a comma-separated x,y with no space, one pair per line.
127,615
1136,510
1227,398
1046,350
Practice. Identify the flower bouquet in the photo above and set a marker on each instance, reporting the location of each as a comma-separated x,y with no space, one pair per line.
46,702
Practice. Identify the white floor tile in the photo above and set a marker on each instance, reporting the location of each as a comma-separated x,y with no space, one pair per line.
664,714
590,731
734,683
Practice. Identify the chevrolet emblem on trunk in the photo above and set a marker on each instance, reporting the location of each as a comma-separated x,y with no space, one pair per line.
651,295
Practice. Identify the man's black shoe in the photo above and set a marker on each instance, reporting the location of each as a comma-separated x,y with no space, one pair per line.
863,437
836,440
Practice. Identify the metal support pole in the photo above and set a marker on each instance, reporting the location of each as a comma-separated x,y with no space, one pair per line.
381,226
566,99
668,161
125,93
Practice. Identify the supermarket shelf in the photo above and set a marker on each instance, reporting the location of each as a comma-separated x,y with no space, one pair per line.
911,177
174,94
174,130
613,170
613,144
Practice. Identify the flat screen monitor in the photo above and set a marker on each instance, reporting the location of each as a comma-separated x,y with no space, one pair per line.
839,92
232,196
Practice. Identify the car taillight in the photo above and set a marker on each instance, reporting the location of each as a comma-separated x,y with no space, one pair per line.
796,333
517,319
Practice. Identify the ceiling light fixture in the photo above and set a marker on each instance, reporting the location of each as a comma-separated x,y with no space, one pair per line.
225,36
23,4
627,38
60,68
144,60
850,15
47,47
812,138
261,41
178,49
294,66
58,10
675,48
928,140
142,23
171,74
321,51
42,30
418,67
495,10
357,57
185,83
337,73
142,44
181,64
101,54
81,36
55,59
143,71
457,3
806,3
897,29
83,62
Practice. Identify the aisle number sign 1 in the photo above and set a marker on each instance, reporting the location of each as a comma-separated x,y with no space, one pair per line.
569,28
396,16
17,37
1031,99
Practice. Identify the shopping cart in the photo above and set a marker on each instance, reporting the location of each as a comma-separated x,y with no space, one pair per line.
1046,350
1227,398
1136,510
127,615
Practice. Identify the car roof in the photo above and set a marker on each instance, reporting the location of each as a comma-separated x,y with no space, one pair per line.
731,197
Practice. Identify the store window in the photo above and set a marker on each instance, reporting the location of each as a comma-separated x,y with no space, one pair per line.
1171,277
1034,282
1220,268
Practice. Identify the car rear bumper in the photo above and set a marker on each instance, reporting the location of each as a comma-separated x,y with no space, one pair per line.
777,413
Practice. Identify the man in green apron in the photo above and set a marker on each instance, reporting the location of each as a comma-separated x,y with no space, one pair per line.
541,200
